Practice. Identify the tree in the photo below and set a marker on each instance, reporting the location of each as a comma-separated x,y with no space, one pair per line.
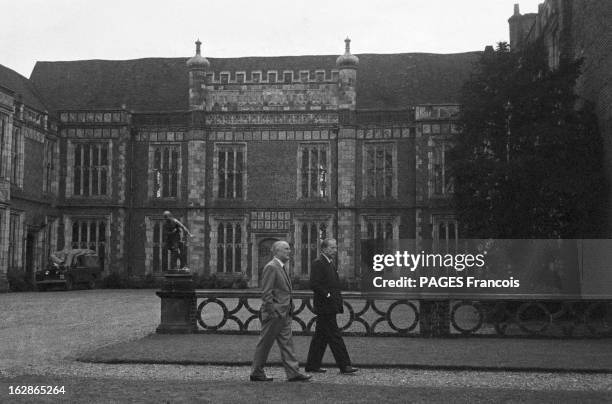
528,163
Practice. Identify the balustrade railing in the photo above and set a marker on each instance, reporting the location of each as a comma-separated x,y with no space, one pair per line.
237,311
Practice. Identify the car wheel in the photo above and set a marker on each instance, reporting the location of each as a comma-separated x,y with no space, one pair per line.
69,283
42,288
92,283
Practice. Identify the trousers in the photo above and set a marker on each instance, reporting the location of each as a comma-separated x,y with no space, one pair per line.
276,329
327,333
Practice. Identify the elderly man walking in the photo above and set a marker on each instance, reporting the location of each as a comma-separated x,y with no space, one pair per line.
325,283
276,316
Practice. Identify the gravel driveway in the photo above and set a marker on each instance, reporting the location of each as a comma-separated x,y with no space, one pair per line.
42,333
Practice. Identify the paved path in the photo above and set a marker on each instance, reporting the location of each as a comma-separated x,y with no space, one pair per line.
42,333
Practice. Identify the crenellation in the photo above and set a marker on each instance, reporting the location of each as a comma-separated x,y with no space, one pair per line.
272,76
250,154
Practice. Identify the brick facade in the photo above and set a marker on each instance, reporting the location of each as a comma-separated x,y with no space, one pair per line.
249,151
259,155
28,185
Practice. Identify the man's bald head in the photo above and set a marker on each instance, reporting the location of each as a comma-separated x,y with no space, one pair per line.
281,250
167,214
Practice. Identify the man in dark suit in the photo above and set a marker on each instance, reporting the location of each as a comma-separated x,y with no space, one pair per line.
276,316
325,283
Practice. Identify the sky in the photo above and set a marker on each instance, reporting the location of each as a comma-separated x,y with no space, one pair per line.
51,30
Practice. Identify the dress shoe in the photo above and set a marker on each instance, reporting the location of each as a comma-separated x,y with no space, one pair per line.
349,369
300,378
318,370
261,378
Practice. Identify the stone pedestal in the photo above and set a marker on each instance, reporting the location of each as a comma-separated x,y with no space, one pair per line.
178,304
434,318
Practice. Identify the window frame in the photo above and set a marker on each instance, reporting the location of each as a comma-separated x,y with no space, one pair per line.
365,171
272,73
104,243
71,171
17,156
304,76
158,194
439,150
214,222
50,171
236,148
321,146
224,77
309,220
444,219
377,220
4,138
15,238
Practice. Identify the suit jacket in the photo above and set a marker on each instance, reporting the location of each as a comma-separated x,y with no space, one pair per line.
276,291
323,280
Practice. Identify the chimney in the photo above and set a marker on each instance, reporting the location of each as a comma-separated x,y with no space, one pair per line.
516,30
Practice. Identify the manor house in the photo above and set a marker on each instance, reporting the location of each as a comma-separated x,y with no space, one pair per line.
244,151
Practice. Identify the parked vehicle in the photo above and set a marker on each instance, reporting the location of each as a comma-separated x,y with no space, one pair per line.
69,268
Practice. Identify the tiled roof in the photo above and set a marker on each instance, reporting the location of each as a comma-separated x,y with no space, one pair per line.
21,86
392,81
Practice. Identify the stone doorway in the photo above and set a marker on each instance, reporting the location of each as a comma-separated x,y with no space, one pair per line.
264,255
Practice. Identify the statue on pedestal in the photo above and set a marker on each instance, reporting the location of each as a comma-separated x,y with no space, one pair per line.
175,237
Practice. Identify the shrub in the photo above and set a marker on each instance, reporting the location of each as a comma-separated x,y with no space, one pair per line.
151,281
241,283
18,282
116,280
300,284
205,281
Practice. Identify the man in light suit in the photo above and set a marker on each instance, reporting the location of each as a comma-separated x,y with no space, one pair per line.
325,283
276,316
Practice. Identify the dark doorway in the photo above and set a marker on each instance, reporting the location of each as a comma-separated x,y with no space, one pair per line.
29,257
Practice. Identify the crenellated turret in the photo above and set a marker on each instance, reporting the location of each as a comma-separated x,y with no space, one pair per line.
347,77
520,25
197,66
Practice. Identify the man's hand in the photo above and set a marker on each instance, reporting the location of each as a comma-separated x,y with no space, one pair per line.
328,295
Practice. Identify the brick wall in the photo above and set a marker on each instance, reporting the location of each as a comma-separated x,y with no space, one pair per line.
6,113
592,39
347,258
4,234
33,167
120,164
347,156
196,222
196,172
272,172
